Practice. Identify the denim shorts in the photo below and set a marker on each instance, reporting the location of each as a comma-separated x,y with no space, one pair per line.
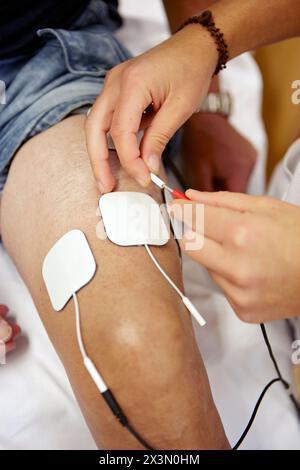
64,75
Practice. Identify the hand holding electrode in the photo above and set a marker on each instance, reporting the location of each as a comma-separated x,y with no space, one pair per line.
170,82
156,80
251,248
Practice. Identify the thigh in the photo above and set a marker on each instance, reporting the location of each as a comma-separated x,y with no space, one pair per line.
134,325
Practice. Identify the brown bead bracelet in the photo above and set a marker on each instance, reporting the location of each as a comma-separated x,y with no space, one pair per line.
206,20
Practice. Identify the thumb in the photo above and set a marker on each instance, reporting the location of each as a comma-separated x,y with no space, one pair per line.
163,126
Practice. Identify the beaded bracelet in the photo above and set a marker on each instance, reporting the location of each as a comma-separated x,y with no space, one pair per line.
206,20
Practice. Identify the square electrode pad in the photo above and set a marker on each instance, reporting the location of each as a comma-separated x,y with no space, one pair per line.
67,267
132,218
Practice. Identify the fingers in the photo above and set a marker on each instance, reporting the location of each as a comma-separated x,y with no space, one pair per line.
215,223
243,301
97,125
168,119
126,123
120,110
210,253
225,199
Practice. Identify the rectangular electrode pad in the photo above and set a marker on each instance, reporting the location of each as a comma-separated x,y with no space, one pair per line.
132,218
68,266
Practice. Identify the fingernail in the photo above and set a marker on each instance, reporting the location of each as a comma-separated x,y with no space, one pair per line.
196,195
144,182
153,162
100,187
5,331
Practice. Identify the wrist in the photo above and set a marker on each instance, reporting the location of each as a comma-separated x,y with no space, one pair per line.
200,43
206,21
227,17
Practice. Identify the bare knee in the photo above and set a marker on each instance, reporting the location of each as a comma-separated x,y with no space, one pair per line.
135,327
64,187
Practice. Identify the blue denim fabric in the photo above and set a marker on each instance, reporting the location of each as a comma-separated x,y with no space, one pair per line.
63,75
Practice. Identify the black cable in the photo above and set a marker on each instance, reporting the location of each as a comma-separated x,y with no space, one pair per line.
138,437
278,379
271,354
169,162
254,413
283,381
116,409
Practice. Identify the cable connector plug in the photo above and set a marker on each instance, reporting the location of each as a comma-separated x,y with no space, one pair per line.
115,408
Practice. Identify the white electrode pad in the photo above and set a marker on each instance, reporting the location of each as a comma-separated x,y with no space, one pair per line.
68,266
132,218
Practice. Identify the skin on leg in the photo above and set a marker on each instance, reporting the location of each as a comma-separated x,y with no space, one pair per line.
134,326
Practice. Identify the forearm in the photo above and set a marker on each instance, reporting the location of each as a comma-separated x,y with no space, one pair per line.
250,24
179,10
246,25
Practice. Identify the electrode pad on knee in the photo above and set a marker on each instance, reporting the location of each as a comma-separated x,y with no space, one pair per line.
68,266
132,218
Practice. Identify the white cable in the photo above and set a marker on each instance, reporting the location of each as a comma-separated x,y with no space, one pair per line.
78,328
162,271
189,305
91,368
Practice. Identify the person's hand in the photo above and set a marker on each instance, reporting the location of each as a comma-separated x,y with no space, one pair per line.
252,251
8,330
172,79
216,157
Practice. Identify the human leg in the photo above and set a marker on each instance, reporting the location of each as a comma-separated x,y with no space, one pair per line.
135,328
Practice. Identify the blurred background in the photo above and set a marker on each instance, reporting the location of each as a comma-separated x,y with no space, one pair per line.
280,66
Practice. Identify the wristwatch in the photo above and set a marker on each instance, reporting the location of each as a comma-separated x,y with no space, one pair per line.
220,103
